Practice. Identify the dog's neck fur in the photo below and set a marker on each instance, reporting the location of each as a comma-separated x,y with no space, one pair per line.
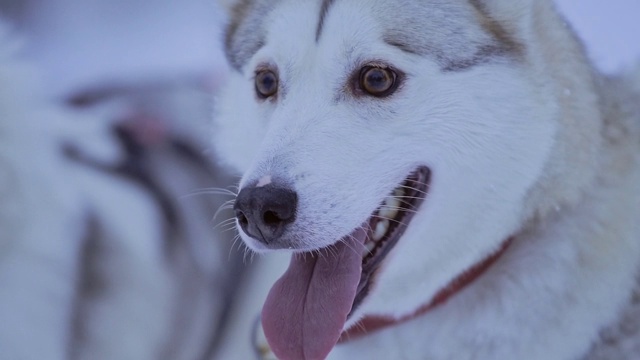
564,73
375,323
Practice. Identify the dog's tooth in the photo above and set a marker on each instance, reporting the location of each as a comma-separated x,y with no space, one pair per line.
389,209
368,247
388,212
381,229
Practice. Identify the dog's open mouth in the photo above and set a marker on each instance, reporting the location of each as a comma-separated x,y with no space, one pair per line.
387,225
306,309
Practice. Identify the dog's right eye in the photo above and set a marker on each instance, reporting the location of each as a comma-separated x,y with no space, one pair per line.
378,81
266,83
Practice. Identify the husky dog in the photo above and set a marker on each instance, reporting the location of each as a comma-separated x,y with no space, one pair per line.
453,177
101,254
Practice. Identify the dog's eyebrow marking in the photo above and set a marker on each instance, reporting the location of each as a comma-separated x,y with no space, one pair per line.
402,45
324,9
485,54
457,53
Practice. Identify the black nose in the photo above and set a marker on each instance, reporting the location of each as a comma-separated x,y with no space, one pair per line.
264,212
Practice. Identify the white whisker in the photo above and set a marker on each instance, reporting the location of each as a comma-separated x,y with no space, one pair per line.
390,220
225,206
210,191
412,188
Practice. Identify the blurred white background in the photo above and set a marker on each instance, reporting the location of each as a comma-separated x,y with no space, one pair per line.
610,30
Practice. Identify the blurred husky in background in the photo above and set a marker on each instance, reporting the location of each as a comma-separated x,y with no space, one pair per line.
454,179
104,253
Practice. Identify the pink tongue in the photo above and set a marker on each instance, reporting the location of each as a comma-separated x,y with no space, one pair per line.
307,307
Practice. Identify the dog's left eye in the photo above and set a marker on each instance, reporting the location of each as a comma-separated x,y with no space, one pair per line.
377,81
266,83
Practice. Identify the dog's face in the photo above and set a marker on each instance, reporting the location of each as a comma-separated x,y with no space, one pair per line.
337,105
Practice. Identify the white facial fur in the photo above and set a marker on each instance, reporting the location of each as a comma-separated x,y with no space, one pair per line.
345,153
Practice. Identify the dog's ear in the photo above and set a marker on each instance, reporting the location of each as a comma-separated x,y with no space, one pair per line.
244,33
233,9
517,17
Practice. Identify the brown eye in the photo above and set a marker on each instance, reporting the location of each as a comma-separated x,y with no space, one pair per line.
266,83
377,81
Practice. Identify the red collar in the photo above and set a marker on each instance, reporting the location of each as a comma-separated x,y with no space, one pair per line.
371,324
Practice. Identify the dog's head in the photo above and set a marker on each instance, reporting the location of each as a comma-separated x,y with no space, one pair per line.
392,145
